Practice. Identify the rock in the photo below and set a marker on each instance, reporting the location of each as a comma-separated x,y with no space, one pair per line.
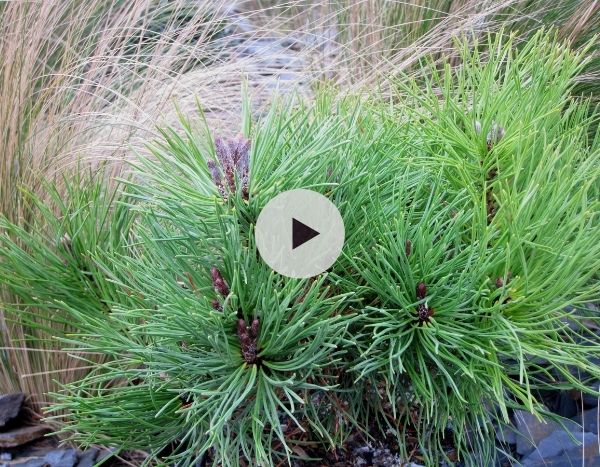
560,449
38,448
88,458
531,430
589,420
106,454
10,406
569,460
324,40
22,436
293,43
36,462
506,434
561,402
504,459
5,456
590,399
53,458
61,458
263,46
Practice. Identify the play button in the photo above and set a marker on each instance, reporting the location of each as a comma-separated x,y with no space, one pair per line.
299,233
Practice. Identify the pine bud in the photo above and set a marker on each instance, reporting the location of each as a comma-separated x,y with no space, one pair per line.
241,327
215,174
421,290
219,283
407,248
247,337
245,340
254,328
495,134
234,157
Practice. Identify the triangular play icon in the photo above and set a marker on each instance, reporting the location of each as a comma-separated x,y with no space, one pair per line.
301,233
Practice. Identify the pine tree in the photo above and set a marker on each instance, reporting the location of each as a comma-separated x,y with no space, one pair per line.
470,204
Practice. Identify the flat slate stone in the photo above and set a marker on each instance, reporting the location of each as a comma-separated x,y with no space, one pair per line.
24,435
589,420
531,431
566,460
559,442
10,406
54,458
88,458
105,454
590,400
559,450
506,434
36,462
61,458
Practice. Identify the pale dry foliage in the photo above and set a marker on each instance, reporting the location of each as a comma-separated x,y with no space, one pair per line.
87,82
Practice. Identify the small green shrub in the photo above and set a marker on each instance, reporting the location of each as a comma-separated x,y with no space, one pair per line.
470,206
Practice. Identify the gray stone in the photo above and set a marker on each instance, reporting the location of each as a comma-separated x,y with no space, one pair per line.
10,406
561,442
590,399
567,460
292,43
35,462
506,434
589,420
105,454
88,458
531,430
61,458
559,449
23,435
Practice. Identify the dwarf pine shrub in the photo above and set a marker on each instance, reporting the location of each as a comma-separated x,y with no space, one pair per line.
470,203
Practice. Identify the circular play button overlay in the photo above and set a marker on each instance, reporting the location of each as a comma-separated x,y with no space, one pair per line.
299,233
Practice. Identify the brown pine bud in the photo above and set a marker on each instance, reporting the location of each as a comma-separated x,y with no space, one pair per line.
219,283
233,155
421,290
230,178
241,327
407,248
215,174
245,340
254,328
500,281
248,342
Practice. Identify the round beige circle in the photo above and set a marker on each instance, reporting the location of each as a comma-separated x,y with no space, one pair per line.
300,233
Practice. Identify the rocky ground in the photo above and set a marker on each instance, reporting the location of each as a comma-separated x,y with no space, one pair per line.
527,441
24,443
